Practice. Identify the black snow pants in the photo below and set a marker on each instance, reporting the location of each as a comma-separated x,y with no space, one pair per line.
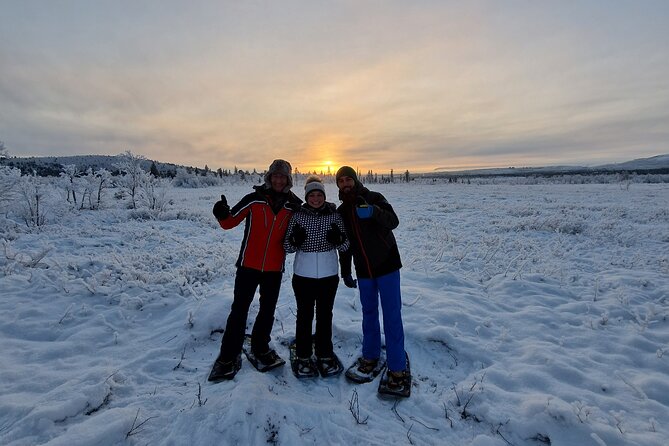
318,293
247,281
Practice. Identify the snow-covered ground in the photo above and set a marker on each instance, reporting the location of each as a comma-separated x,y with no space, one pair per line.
534,315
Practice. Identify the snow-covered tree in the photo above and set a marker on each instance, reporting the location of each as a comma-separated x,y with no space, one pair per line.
68,176
9,178
93,184
32,193
154,170
103,181
154,193
131,166
185,179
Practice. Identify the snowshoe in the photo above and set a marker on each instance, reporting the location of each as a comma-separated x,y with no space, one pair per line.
223,370
365,370
302,367
396,383
264,362
329,366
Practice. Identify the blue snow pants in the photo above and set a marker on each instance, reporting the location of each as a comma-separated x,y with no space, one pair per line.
388,289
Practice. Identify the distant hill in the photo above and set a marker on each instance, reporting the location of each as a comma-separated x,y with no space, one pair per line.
654,164
52,165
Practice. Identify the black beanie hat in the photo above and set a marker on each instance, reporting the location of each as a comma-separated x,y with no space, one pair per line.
347,171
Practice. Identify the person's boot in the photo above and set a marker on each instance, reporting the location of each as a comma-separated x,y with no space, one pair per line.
366,366
399,381
269,358
365,370
225,370
305,368
329,366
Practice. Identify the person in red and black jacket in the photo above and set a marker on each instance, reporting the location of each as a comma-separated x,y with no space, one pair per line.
369,220
266,211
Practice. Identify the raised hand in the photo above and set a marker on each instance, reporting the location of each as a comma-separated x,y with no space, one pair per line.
362,208
221,209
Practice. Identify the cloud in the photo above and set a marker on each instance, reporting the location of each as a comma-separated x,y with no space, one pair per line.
381,85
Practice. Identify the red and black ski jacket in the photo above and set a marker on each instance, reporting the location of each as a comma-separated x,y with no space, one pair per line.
267,214
373,246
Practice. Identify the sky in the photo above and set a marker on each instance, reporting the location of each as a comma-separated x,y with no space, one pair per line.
377,85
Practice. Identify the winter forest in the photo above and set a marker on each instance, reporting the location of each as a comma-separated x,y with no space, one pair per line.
536,312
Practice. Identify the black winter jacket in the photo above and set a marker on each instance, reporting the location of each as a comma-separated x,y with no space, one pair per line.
373,246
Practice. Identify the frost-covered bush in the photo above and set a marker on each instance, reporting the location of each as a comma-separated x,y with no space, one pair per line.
84,190
32,206
69,182
96,183
9,178
154,194
131,166
189,180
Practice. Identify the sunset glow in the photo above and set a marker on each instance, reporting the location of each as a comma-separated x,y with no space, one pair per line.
421,86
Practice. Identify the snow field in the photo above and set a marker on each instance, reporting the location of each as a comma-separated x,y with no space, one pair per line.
533,314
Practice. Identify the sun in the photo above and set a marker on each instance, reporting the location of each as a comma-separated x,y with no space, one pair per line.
321,167
322,152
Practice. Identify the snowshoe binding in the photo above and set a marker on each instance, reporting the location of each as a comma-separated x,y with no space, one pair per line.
396,383
365,370
225,370
262,362
302,367
330,366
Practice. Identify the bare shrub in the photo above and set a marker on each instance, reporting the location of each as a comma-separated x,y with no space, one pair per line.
32,201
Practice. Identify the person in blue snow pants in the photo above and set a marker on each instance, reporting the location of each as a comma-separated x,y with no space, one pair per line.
388,288
369,221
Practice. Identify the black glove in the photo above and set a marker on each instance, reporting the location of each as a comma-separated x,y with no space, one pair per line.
221,209
298,236
292,206
350,282
334,236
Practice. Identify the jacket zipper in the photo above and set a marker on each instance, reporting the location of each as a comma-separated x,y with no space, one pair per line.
356,226
269,238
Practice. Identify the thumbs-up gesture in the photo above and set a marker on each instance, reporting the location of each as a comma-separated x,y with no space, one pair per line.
221,209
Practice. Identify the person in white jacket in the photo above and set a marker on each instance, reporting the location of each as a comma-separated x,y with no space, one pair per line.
315,233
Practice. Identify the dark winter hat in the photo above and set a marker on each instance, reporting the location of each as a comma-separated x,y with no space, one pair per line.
282,167
347,171
313,183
